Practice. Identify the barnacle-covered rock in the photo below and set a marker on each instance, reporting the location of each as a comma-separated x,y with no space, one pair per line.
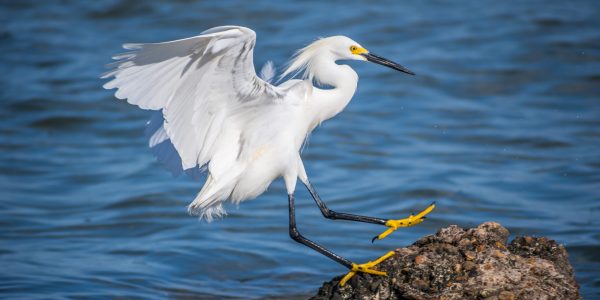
474,263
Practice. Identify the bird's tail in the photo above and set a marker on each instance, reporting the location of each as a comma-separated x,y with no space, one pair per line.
209,201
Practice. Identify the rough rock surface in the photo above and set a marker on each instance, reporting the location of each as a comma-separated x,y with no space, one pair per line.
475,263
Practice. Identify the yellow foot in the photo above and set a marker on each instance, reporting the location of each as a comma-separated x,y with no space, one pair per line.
366,268
406,222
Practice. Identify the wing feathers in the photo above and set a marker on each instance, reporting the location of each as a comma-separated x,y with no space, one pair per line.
267,73
198,83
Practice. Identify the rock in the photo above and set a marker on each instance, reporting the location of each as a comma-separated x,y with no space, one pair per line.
419,259
475,263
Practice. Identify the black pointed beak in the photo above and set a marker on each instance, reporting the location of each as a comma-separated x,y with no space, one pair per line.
386,62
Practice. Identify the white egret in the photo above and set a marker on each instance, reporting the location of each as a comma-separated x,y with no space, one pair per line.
215,114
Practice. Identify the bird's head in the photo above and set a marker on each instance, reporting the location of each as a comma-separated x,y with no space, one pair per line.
336,48
347,49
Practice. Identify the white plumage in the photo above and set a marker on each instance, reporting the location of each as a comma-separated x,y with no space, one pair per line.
216,113
268,72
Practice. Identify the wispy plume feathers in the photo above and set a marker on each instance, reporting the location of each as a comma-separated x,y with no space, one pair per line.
267,73
303,60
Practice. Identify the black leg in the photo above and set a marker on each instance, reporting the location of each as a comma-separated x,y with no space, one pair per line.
295,234
330,214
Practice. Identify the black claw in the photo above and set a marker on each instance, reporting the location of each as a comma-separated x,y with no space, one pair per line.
423,218
374,238
432,203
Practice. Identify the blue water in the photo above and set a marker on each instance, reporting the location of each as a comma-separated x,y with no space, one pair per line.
502,123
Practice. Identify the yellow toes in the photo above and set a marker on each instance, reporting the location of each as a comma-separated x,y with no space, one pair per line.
366,268
393,225
406,222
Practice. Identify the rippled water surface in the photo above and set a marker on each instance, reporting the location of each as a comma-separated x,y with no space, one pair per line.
502,123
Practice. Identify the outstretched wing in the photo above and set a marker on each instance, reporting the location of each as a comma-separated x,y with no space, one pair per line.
197,82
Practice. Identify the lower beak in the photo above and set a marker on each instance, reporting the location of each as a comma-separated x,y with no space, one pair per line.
385,62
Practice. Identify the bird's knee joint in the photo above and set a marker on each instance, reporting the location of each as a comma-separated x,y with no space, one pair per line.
295,234
328,213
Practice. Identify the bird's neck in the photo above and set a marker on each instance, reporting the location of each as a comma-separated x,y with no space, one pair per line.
326,103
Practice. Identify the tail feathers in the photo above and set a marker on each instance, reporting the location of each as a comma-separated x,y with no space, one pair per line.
208,213
208,203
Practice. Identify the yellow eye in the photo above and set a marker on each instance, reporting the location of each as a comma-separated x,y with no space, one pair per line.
357,50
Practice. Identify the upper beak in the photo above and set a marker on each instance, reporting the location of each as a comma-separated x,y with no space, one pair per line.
386,62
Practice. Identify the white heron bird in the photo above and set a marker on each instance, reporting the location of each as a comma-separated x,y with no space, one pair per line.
216,115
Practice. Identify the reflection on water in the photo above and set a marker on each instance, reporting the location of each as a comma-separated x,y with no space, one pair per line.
501,124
